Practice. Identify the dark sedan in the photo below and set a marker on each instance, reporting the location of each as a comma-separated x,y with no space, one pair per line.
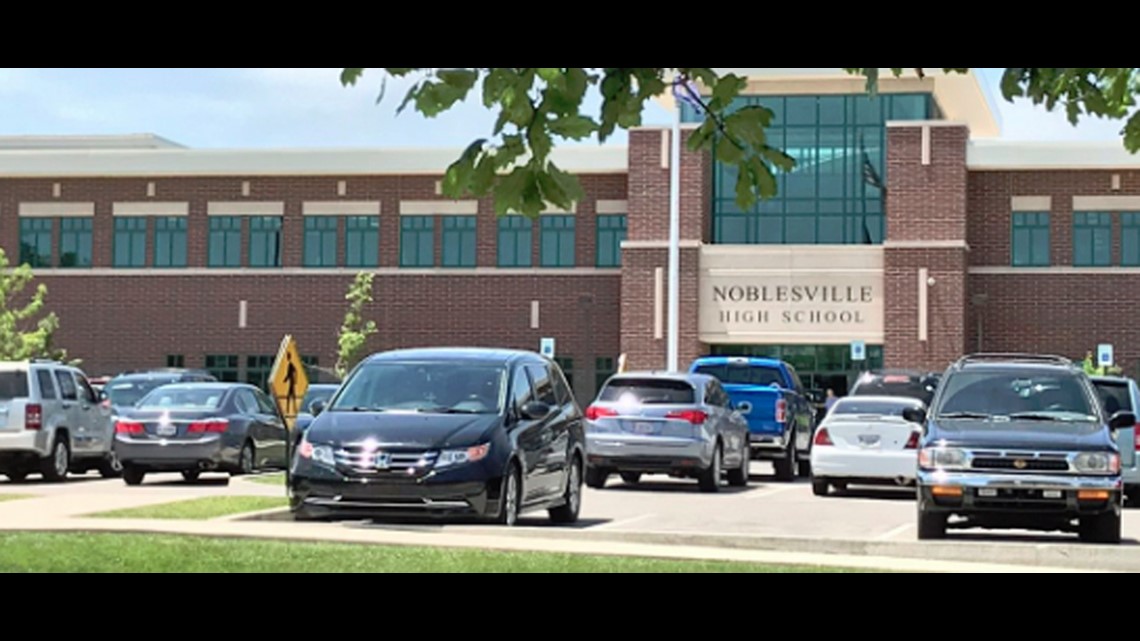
486,432
200,427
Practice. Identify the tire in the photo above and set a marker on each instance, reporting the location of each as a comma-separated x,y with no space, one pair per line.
596,478
509,498
17,476
739,476
931,525
1102,528
246,460
54,468
303,515
709,479
805,468
133,475
786,466
631,477
1131,496
820,487
567,513
191,476
110,468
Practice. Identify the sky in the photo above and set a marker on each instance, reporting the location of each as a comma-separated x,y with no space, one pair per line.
303,107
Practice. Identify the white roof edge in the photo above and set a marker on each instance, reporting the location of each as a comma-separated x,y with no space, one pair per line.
997,155
94,141
275,162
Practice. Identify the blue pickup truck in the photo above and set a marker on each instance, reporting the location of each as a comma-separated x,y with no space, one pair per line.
780,415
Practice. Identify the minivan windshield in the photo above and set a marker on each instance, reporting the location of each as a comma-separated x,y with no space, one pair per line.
198,397
445,387
1004,395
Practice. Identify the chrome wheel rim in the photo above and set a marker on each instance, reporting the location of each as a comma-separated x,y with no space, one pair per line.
575,498
511,505
60,459
716,465
247,460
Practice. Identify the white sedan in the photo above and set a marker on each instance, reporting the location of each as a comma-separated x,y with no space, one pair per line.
864,440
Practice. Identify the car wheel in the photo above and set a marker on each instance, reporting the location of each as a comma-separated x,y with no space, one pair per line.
54,468
509,499
1101,528
568,512
931,525
302,514
111,468
245,461
739,476
709,479
786,466
820,487
133,475
596,478
191,476
631,477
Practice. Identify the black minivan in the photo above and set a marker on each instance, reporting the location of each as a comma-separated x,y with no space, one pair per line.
487,432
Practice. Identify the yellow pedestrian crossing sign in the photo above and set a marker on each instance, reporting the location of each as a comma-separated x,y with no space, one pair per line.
288,381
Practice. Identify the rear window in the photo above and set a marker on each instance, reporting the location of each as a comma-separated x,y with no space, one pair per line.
648,392
854,406
125,393
13,385
1114,397
742,374
196,398
896,385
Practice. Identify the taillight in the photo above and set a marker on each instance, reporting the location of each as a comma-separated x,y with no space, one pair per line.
128,427
781,410
1136,436
912,442
696,417
822,437
211,426
594,412
33,416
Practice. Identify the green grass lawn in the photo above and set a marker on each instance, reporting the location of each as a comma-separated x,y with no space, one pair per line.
108,552
210,507
13,497
268,479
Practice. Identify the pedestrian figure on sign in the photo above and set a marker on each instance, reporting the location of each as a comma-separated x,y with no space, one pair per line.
291,380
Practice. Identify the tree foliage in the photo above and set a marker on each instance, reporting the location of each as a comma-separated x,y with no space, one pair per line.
355,330
536,107
24,332
1092,369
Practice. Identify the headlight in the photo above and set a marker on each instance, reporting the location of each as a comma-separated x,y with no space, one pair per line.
930,458
1097,463
449,458
322,454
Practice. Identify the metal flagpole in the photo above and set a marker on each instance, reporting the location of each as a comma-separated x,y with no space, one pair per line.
674,235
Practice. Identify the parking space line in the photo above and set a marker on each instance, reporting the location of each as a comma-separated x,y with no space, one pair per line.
621,522
766,492
890,534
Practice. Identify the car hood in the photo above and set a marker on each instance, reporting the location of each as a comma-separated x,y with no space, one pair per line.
401,429
1039,435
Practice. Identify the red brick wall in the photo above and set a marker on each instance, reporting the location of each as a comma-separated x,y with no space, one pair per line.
946,315
637,308
649,188
926,202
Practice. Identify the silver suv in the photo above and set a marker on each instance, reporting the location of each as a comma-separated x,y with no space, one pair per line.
52,423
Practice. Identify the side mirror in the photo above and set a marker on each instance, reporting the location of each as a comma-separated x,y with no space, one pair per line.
317,406
535,410
1122,420
915,415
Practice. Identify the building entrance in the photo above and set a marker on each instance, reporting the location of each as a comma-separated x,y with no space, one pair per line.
821,367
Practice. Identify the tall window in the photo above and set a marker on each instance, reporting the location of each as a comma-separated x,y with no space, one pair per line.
1092,239
257,370
1030,239
1130,239
75,242
557,248
417,241
35,241
611,231
170,241
458,241
515,241
567,365
603,369
362,241
320,241
224,368
130,242
225,242
265,241
175,360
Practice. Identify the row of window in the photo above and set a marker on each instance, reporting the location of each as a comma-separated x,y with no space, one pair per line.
1092,239
324,239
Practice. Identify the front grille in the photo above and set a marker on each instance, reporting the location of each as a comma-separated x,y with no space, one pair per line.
1021,461
1019,499
361,461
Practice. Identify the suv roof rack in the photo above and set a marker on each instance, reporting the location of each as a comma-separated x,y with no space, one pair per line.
164,370
1022,358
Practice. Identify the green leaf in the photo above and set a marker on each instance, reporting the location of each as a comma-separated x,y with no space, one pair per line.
509,191
574,127
349,76
460,79
413,91
549,73
872,74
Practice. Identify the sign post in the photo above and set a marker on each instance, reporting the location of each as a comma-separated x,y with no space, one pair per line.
546,347
1104,355
858,351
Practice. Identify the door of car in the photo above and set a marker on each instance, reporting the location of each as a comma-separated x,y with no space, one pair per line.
561,423
69,410
728,422
95,418
256,430
526,434
275,430
548,477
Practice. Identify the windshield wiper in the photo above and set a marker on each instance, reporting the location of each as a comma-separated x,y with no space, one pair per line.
447,410
1038,416
359,409
952,415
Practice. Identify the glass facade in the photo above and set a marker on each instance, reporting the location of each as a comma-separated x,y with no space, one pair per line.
833,195
175,360
515,241
417,241
362,241
170,241
35,241
75,242
1030,239
223,367
320,241
130,242
1092,239
458,241
611,231
257,369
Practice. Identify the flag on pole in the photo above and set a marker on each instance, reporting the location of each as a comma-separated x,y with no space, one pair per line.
686,91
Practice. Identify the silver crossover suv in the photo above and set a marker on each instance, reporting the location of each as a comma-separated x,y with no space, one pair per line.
677,424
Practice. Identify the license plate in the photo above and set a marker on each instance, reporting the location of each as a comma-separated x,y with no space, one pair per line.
868,440
166,429
644,428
